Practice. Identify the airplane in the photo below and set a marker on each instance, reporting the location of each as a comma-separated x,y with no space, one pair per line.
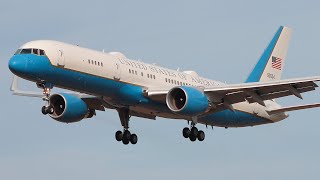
96,81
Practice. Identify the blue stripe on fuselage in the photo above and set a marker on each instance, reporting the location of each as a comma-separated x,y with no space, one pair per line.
39,68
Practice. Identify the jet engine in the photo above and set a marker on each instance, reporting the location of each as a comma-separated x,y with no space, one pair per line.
186,100
68,108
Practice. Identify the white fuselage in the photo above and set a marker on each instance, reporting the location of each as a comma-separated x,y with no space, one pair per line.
116,67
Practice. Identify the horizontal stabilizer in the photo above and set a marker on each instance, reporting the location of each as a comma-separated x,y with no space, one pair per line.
293,108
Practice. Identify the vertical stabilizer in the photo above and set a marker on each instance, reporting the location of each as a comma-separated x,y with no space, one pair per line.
270,64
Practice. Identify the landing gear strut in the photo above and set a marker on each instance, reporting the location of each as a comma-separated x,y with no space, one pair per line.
193,133
125,136
47,109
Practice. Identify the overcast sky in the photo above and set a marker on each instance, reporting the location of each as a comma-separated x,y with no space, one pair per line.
221,40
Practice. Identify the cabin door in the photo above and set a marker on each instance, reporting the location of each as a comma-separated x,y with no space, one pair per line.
117,71
61,57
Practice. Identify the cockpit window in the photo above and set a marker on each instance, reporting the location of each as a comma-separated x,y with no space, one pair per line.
41,52
25,51
35,51
17,52
38,52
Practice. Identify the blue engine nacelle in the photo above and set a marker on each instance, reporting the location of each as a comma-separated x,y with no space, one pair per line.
68,108
187,101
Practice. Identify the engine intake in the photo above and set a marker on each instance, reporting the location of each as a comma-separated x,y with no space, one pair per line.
186,100
68,108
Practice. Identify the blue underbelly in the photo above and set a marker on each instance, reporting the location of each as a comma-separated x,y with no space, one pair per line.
228,118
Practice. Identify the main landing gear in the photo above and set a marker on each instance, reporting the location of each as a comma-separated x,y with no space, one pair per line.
193,133
125,136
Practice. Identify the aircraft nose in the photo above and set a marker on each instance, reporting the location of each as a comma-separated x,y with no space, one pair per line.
18,64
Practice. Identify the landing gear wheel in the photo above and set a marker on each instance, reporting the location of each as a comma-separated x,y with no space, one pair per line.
194,131
125,141
50,109
134,139
192,138
44,110
118,135
186,132
126,135
201,136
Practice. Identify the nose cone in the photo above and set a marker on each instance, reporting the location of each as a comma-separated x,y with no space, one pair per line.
18,65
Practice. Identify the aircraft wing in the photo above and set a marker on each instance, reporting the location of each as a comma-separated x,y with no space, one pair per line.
260,91
226,95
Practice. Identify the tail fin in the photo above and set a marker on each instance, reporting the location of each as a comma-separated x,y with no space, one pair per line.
270,64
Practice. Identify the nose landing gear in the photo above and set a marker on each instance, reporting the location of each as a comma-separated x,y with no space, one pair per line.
47,109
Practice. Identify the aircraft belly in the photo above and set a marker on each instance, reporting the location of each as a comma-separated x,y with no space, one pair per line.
238,118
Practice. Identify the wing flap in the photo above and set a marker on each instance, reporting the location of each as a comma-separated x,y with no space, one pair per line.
260,91
281,94
301,82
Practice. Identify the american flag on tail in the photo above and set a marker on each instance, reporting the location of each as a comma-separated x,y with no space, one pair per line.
276,62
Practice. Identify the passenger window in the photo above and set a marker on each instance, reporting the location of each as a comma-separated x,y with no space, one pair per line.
136,72
41,52
130,71
154,76
25,51
141,73
101,64
89,61
148,75
95,62
166,79
98,63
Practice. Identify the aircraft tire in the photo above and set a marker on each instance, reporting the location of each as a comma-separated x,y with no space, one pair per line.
134,139
44,110
194,131
125,141
126,135
50,109
118,135
186,132
192,138
201,135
